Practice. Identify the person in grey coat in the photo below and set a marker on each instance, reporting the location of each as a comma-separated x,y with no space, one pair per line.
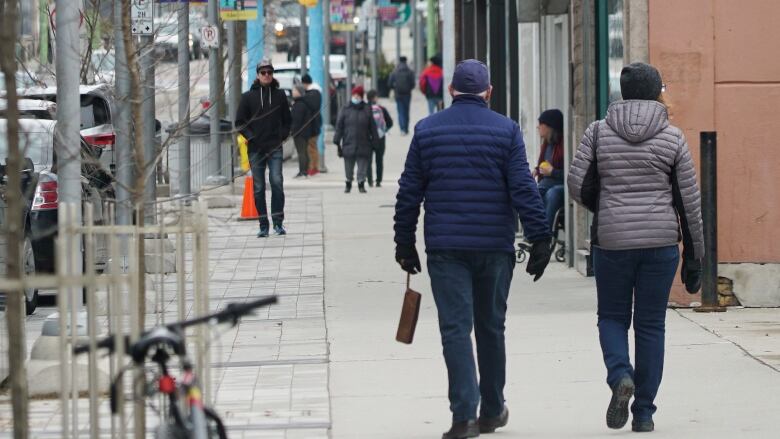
634,171
355,136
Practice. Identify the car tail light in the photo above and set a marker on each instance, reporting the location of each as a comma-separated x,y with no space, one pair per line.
46,195
101,140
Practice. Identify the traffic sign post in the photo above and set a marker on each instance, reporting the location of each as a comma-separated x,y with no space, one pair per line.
210,35
142,17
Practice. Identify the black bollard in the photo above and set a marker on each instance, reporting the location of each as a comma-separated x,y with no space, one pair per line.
709,214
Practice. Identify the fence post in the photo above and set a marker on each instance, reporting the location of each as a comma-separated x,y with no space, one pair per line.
709,213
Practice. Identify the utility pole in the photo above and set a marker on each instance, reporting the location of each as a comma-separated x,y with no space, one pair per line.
350,58
303,40
123,157
234,73
372,47
149,169
215,75
184,102
397,44
15,311
448,41
432,22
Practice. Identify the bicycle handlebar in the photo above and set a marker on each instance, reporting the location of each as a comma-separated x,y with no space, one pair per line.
232,313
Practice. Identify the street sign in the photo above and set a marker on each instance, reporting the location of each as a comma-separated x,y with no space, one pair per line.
142,17
210,36
238,9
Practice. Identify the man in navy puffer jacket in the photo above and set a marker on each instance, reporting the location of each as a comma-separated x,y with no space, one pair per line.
468,165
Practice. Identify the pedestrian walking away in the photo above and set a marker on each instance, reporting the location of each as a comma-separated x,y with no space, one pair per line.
432,84
301,128
549,168
469,165
634,171
383,123
263,118
402,81
355,136
313,99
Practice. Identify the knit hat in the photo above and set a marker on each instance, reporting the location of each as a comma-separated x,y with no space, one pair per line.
265,62
640,81
552,118
471,77
306,79
358,90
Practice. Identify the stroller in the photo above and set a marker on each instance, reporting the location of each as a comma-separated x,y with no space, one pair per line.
558,241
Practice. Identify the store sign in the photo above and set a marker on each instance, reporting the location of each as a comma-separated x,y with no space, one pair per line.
342,14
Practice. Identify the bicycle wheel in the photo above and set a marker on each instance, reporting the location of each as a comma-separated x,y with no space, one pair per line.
214,424
560,255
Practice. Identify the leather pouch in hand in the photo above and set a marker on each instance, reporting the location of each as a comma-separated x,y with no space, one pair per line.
410,312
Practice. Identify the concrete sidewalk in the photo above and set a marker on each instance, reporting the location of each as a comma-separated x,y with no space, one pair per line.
556,378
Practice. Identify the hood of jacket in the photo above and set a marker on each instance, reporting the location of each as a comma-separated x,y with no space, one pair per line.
637,120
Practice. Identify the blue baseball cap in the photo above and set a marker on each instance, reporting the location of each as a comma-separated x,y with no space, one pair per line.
471,76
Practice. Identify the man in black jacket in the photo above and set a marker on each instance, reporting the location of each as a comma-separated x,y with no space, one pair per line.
263,117
402,81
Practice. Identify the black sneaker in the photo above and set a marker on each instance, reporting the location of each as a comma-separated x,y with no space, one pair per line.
462,430
617,412
642,426
279,229
263,232
489,425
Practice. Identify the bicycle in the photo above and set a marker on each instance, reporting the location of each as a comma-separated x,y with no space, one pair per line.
187,415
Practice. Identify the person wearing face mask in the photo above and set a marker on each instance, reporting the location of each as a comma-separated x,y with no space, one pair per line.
355,136
263,118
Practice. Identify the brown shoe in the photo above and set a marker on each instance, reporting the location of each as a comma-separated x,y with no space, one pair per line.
462,430
489,425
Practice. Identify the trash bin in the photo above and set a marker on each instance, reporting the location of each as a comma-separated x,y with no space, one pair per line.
204,163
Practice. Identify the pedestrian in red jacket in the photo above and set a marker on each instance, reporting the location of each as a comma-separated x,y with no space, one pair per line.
432,84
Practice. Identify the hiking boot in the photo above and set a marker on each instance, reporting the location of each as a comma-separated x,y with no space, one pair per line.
362,187
642,426
279,229
617,412
489,425
462,430
348,189
378,184
370,183
263,232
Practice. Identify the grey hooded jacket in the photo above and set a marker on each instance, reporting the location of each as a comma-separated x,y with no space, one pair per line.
642,184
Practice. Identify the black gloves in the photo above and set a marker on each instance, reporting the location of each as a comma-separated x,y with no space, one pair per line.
540,257
339,151
691,275
407,258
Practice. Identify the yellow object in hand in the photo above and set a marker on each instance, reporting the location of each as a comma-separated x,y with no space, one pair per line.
545,166
243,152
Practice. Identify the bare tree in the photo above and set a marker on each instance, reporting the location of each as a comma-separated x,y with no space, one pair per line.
15,313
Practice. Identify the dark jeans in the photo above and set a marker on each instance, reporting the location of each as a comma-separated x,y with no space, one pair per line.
258,162
471,288
302,147
553,200
402,102
379,154
642,278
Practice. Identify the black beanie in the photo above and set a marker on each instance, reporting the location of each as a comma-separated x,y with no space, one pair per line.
553,119
640,81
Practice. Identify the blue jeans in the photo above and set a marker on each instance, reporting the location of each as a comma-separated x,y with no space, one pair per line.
642,278
470,288
433,105
402,102
258,161
553,200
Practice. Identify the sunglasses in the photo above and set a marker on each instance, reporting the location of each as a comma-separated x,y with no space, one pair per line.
266,72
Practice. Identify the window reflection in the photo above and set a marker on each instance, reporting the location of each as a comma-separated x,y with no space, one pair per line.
614,47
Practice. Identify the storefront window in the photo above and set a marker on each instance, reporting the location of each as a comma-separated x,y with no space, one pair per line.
610,14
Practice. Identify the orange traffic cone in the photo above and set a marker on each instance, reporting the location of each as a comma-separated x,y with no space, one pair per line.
248,209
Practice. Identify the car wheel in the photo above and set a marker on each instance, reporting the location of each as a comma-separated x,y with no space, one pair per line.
30,294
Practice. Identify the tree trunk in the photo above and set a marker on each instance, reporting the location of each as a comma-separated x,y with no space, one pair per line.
15,311
137,195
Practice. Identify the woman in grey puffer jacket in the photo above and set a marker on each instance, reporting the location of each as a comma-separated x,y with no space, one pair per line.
634,171
355,136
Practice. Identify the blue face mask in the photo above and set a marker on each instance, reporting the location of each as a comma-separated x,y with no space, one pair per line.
356,100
